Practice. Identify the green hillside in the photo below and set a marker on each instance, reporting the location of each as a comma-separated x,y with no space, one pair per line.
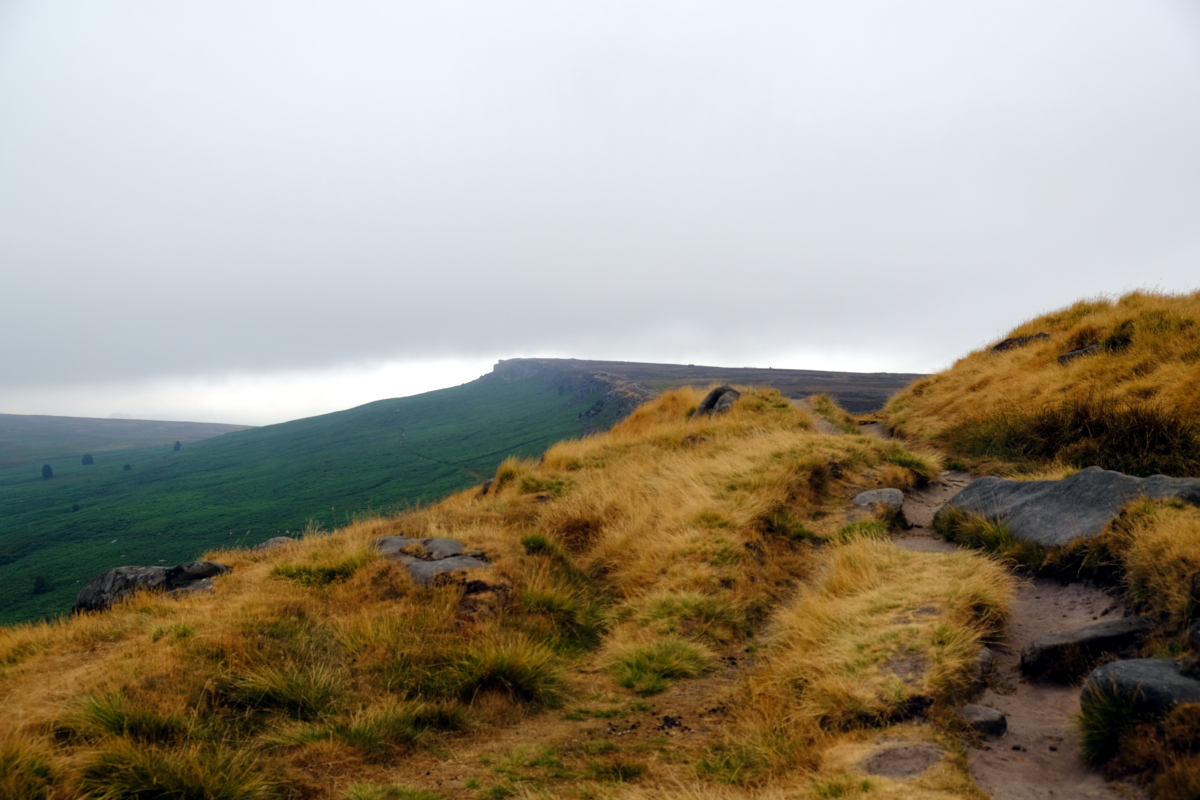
171,506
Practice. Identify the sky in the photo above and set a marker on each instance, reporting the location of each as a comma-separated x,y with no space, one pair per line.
249,211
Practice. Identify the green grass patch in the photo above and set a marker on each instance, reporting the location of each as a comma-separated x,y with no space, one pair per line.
320,576
617,772
302,693
114,715
647,669
991,537
24,775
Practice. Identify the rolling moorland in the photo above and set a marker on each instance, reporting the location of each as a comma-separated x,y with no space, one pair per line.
685,606
316,473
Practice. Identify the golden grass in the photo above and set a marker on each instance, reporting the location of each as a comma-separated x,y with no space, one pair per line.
1132,405
881,635
639,555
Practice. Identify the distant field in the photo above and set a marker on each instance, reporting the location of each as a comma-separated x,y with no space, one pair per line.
170,507
31,438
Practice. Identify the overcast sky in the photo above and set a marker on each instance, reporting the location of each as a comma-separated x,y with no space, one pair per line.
250,211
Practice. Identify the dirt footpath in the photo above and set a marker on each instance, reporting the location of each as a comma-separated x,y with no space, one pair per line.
1039,756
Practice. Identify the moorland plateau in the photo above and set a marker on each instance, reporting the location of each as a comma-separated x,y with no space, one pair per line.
683,605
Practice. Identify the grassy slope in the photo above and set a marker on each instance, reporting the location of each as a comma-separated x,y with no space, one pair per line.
31,439
623,564
1133,405
171,506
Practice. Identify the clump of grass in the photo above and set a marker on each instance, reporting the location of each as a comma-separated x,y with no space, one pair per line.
310,575
525,671
648,668
1104,719
617,771
531,484
381,731
925,466
113,714
989,536
300,692
576,618
196,773
25,774
870,528
689,614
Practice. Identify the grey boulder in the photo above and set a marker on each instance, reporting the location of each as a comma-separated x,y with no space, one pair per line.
108,587
1067,655
983,719
718,401
1052,513
425,559
1152,686
892,498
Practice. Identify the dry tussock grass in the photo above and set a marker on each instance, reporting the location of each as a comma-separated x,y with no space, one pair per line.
881,635
1133,405
646,552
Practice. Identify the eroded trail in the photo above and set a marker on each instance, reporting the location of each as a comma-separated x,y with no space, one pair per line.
1039,756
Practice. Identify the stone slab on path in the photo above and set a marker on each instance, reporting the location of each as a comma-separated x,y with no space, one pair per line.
120,582
1054,513
1068,655
425,559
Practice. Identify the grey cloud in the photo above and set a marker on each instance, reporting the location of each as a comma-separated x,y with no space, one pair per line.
205,187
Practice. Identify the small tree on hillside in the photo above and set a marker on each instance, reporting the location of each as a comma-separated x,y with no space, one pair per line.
87,459
177,446
47,473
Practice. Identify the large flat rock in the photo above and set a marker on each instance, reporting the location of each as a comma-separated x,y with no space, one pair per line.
1068,655
1052,513
1154,686
425,559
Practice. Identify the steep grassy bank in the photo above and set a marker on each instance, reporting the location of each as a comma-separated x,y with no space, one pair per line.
1129,401
624,565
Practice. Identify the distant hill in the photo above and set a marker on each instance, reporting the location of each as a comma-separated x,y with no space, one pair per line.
32,438
858,392
169,507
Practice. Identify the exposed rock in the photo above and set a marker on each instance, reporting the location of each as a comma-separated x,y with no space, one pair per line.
273,542
483,490
1074,354
1018,341
892,498
425,559
1067,655
1052,513
1154,685
903,761
718,401
108,587
983,719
